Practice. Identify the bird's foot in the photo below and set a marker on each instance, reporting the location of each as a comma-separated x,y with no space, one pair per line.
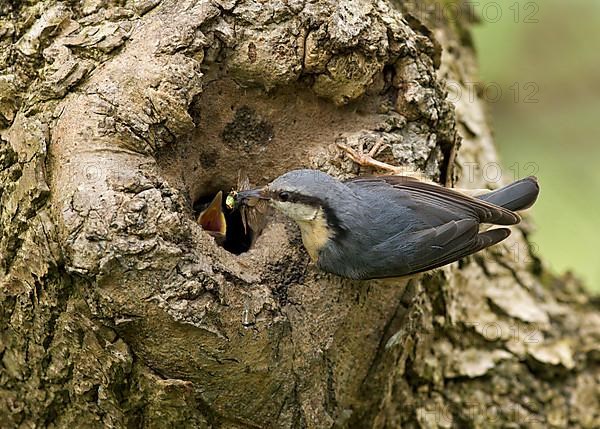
367,159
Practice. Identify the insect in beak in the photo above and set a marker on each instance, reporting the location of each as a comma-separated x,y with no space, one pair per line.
247,198
252,204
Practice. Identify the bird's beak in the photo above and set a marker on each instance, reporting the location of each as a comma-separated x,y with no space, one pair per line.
212,218
258,193
248,198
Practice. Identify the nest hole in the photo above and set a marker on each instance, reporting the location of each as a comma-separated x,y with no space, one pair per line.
237,239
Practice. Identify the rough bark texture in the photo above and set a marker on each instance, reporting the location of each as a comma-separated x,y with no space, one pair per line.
117,310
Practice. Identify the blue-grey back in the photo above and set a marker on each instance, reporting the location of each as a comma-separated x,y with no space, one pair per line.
379,236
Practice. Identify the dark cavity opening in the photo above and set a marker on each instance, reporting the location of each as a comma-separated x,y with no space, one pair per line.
236,240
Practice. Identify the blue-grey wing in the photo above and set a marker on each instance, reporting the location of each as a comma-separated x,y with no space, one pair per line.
434,204
432,247
435,226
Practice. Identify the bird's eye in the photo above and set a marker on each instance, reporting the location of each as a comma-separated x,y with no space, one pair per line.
284,196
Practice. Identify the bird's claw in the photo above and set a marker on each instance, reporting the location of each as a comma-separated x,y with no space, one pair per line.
367,159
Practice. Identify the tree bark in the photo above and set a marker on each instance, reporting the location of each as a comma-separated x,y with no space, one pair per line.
117,310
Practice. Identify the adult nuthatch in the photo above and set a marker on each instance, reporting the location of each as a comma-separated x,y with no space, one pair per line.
390,226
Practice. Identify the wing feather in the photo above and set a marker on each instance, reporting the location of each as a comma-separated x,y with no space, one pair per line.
429,196
458,248
447,224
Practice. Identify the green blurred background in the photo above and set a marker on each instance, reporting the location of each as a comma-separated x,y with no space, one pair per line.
545,57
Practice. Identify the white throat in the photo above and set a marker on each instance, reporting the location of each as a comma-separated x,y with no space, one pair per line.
312,222
297,211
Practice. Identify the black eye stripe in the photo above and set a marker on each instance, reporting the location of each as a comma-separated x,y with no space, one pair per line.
295,197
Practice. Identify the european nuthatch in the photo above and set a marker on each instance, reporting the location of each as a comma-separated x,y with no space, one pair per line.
390,226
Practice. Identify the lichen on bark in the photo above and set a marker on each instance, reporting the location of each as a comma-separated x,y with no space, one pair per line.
119,311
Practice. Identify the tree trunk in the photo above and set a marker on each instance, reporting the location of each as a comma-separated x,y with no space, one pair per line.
117,310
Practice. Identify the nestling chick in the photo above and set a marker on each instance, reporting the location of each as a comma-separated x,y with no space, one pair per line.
390,226
213,220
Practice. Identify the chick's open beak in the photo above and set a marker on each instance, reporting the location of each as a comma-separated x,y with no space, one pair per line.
212,218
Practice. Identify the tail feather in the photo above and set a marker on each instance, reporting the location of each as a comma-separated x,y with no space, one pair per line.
519,195
491,237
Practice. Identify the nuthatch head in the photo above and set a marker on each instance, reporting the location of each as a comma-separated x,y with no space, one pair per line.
390,226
